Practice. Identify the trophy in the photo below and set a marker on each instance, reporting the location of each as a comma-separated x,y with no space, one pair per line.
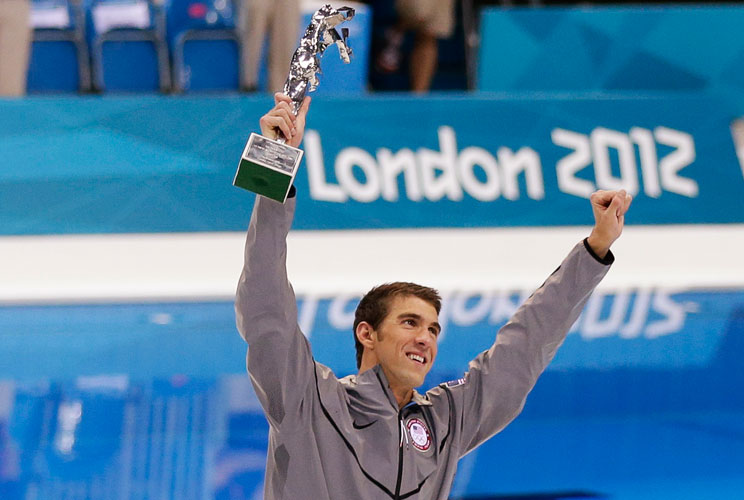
268,167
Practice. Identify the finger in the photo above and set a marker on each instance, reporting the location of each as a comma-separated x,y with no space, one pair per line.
283,113
302,116
302,112
616,205
628,201
610,196
602,198
267,127
280,97
625,204
287,105
282,124
304,108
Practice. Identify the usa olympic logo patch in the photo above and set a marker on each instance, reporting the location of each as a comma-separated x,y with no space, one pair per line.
420,436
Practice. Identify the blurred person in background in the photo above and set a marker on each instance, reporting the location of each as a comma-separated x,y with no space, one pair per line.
280,21
431,20
15,44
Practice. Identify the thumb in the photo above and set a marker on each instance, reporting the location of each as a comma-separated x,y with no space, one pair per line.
302,112
616,204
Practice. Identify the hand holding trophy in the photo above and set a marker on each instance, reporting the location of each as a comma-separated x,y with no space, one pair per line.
267,166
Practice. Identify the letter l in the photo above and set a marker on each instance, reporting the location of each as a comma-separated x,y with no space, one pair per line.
319,188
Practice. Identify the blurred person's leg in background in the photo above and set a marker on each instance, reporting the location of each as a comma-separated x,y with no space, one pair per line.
15,45
431,20
280,20
254,20
285,27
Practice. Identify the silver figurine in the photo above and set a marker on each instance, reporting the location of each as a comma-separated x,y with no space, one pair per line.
268,167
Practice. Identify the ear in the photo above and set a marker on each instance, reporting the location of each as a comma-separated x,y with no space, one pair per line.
366,335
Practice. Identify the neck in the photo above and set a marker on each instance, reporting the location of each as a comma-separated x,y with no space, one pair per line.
402,394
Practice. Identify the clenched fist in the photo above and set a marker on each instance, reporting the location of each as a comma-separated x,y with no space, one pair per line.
609,209
281,119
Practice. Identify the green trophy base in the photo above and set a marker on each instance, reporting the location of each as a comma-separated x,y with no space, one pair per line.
267,167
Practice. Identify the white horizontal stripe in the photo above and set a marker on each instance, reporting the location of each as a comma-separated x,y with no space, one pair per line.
324,263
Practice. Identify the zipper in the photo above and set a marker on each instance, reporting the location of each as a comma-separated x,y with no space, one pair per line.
401,434
401,430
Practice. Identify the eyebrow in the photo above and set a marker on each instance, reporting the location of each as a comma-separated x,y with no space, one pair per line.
418,317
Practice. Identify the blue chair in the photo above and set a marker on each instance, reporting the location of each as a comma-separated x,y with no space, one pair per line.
59,59
128,48
204,44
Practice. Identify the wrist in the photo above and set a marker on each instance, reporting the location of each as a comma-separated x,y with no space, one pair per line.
599,246
607,260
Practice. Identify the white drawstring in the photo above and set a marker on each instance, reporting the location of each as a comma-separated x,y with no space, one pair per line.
403,433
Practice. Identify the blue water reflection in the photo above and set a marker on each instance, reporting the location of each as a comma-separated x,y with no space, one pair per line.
111,437
152,402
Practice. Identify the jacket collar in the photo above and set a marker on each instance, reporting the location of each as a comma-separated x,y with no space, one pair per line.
420,400
373,382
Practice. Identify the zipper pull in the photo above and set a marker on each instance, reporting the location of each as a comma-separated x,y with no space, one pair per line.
403,433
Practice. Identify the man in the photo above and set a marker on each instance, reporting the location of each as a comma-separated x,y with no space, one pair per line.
371,435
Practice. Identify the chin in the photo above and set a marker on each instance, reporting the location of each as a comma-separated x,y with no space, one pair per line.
416,381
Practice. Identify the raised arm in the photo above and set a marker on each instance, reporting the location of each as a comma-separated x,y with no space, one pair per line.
495,387
279,359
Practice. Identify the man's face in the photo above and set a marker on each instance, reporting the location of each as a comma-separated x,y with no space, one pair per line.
406,341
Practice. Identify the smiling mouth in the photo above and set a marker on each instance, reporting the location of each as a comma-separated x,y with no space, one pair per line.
417,358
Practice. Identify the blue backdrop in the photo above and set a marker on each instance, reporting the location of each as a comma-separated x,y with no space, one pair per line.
613,49
638,330
149,164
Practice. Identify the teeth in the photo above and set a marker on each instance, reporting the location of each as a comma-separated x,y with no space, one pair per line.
416,357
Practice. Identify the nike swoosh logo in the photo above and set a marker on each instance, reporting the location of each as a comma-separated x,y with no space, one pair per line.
357,426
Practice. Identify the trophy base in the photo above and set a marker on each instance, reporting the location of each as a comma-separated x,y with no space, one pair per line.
267,167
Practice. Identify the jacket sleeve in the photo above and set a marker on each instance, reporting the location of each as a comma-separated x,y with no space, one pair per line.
495,387
279,359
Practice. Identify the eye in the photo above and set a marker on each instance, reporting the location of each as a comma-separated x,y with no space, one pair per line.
434,331
409,322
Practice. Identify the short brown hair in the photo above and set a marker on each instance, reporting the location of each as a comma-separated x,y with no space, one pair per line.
375,305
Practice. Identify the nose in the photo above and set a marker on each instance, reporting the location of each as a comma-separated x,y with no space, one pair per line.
423,338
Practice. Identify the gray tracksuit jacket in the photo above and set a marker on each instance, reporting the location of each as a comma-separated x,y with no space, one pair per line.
346,438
